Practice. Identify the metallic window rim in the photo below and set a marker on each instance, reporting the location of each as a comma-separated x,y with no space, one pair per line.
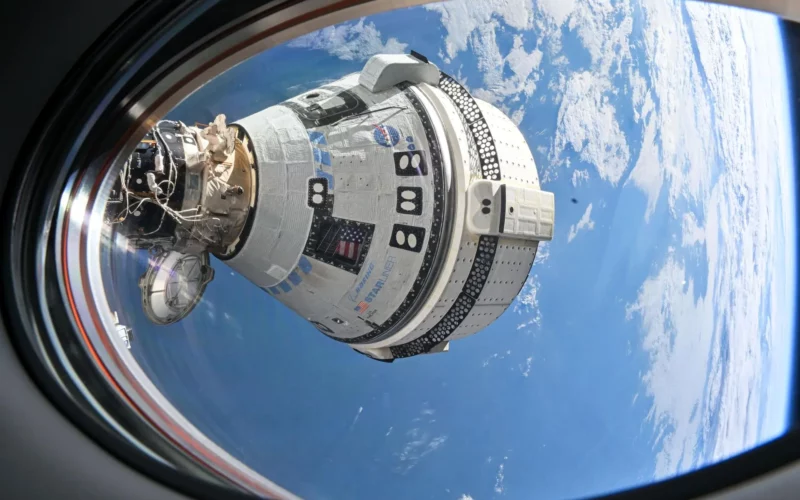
134,97
135,94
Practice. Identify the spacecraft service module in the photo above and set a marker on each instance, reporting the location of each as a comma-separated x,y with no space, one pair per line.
391,209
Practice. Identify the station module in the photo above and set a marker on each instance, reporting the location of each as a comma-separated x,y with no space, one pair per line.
391,209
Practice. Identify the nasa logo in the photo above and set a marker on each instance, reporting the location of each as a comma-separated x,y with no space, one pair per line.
386,135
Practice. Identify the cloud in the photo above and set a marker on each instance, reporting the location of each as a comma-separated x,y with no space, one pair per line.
542,253
587,121
420,444
557,11
640,96
692,234
708,337
461,18
499,480
527,370
527,304
604,29
466,496
508,80
526,300
585,222
522,65
579,177
358,414
300,88
588,124
494,356
678,334
350,42
678,139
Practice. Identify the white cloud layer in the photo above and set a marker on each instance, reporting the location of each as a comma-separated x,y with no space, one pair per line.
579,177
556,11
683,123
350,42
421,443
692,234
692,100
585,222
461,18
527,370
704,383
500,478
475,25
604,29
706,379
587,122
527,303
358,414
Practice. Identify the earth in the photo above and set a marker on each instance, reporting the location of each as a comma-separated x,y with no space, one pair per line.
653,335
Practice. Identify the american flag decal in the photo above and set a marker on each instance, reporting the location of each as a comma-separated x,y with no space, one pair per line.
361,307
339,242
348,242
348,249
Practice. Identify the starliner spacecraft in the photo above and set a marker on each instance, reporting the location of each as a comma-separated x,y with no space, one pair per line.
391,209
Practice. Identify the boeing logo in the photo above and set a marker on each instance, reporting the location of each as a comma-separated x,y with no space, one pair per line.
354,294
376,288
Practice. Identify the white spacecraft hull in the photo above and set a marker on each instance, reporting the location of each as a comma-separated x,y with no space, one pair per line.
390,208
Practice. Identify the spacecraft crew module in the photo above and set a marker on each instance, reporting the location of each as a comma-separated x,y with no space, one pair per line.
391,209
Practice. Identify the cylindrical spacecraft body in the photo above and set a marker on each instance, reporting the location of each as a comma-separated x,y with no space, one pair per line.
393,210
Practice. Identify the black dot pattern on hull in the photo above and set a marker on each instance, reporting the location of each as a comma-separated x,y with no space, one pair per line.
421,282
487,245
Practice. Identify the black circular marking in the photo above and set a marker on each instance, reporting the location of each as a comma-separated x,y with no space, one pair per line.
486,210
487,202
489,169
437,224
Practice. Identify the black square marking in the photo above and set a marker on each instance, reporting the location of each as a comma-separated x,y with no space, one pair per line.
318,197
339,242
409,200
410,163
407,237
